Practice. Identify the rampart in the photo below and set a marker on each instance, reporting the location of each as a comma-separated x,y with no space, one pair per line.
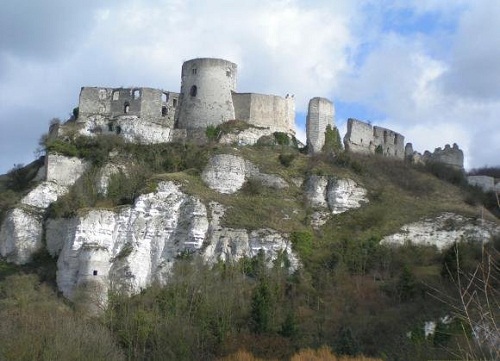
362,137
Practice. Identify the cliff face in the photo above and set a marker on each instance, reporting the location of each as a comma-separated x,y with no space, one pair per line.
127,248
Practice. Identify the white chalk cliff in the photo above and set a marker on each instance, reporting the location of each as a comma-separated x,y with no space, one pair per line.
138,244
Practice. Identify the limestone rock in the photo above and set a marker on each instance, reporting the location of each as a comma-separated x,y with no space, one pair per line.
248,136
344,194
136,245
337,195
21,235
22,229
267,180
63,170
225,173
444,230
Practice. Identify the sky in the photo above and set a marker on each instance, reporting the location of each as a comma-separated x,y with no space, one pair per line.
428,69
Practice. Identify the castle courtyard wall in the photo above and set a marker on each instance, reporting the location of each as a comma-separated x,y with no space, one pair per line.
262,110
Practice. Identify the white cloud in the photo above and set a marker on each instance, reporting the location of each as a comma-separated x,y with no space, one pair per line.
435,85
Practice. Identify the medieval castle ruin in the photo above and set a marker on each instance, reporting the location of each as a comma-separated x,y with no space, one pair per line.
208,97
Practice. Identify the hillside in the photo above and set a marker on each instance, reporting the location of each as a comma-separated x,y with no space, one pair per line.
183,251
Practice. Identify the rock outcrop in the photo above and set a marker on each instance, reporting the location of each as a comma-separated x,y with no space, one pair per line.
444,230
22,229
227,174
335,194
139,244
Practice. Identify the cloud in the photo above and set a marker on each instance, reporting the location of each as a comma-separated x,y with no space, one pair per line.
408,65
474,67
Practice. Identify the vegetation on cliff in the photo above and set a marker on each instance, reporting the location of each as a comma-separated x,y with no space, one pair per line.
353,296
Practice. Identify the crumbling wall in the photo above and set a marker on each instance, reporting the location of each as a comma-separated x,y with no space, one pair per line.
451,156
270,111
94,101
319,115
361,137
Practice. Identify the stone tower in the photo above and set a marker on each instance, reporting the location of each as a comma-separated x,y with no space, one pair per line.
206,88
320,113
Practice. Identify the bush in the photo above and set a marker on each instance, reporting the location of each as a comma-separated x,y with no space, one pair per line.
446,173
281,138
333,142
19,178
212,133
302,242
286,159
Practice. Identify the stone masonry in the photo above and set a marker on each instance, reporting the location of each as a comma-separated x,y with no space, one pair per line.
320,114
362,137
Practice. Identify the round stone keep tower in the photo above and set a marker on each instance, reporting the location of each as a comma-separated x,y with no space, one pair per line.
206,93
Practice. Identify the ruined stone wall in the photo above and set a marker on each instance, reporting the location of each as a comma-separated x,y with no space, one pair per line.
451,156
270,111
361,137
93,101
320,114
153,105
126,102
392,143
206,90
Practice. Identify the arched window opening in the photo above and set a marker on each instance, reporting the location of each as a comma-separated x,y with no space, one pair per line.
395,140
193,91
228,73
194,71
136,93
118,129
164,97
110,127
174,103
385,136
164,111
126,107
116,95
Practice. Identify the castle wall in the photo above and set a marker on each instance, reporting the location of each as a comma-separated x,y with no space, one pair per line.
392,143
361,137
451,156
206,93
320,113
93,101
261,110
152,105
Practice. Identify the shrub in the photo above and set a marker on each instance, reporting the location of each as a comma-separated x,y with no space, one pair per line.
281,138
19,177
212,133
446,173
302,242
286,159
333,142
